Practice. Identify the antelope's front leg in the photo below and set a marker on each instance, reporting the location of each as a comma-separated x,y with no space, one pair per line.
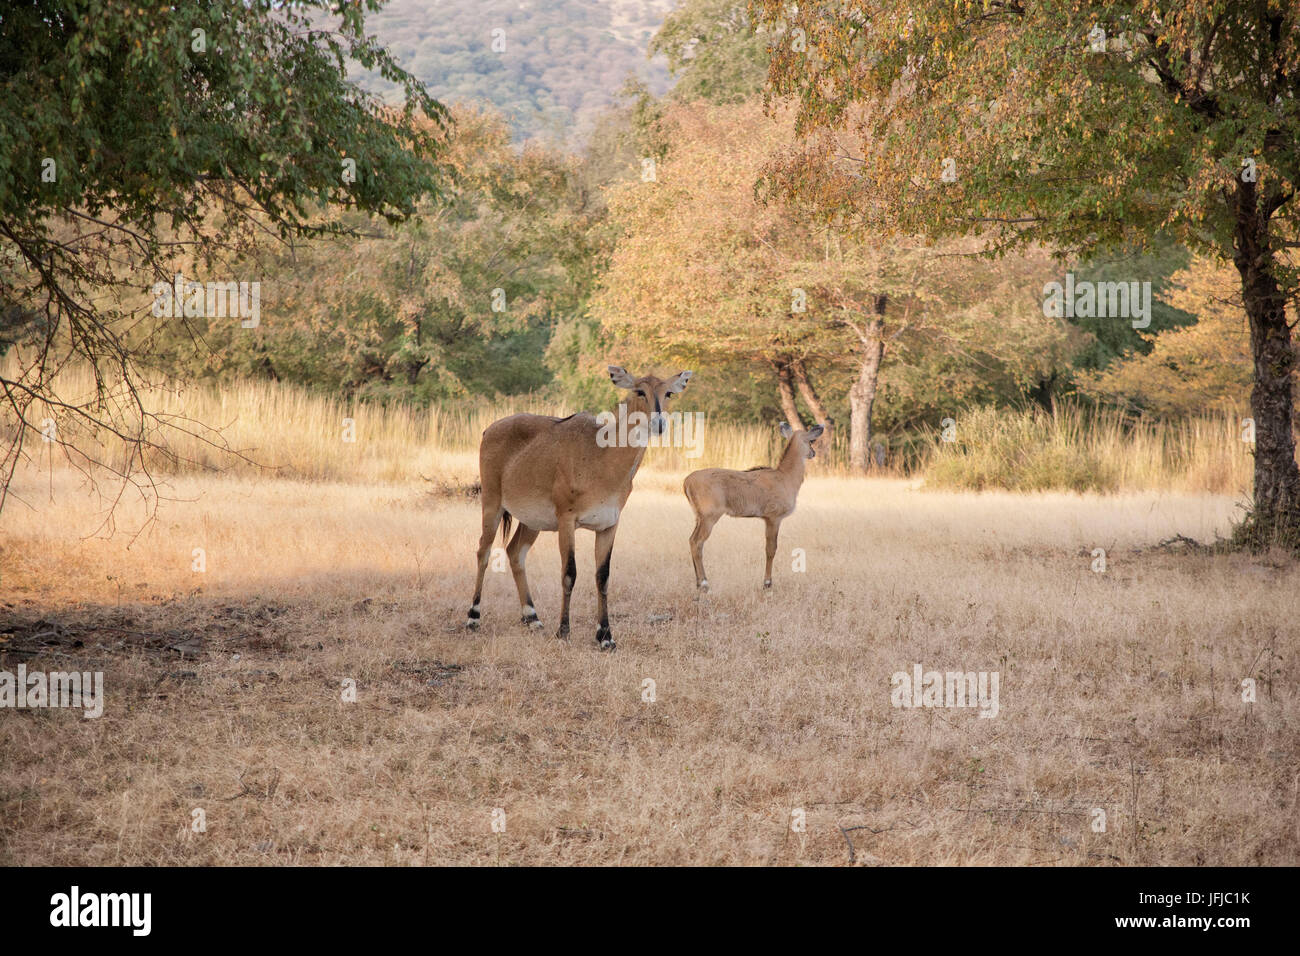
604,551
773,529
568,568
491,519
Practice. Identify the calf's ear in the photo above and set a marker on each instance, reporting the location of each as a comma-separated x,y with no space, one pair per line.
785,430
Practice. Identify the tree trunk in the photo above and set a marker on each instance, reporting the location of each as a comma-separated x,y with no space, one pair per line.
785,387
413,370
1276,514
862,396
814,402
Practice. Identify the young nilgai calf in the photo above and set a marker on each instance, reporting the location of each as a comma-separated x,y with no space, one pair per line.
767,493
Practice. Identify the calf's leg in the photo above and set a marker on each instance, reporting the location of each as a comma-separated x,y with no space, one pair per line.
773,529
703,528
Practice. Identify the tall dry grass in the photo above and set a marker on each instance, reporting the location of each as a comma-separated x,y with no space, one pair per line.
284,429
297,433
1080,449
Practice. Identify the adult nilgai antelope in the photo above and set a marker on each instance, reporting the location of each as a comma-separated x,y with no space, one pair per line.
767,493
551,474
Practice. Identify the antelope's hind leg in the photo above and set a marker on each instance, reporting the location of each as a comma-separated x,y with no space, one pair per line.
517,552
492,513
604,552
568,569
703,528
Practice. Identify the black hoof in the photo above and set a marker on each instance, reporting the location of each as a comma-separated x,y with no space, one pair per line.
530,620
562,634
605,639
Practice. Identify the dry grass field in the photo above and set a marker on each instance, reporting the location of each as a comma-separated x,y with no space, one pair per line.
1119,691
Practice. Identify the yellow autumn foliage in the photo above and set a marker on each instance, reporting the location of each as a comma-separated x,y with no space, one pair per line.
1200,368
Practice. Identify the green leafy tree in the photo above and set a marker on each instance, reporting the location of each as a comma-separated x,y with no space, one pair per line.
1080,125
461,300
713,51
1108,339
140,134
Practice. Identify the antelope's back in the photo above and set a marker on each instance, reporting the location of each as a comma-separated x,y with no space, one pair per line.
527,446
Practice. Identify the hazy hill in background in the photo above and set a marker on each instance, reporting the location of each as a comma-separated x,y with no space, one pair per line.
563,62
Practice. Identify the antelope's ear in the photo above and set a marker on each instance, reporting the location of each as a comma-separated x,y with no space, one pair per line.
815,432
620,377
786,431
677,384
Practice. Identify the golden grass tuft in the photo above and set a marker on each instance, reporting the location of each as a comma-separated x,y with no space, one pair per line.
1077,449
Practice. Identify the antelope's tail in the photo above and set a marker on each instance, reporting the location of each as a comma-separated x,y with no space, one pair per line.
505,528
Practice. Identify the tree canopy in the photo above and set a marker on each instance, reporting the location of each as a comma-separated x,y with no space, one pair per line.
703,271
458,301
1080,125
714,52
141,134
